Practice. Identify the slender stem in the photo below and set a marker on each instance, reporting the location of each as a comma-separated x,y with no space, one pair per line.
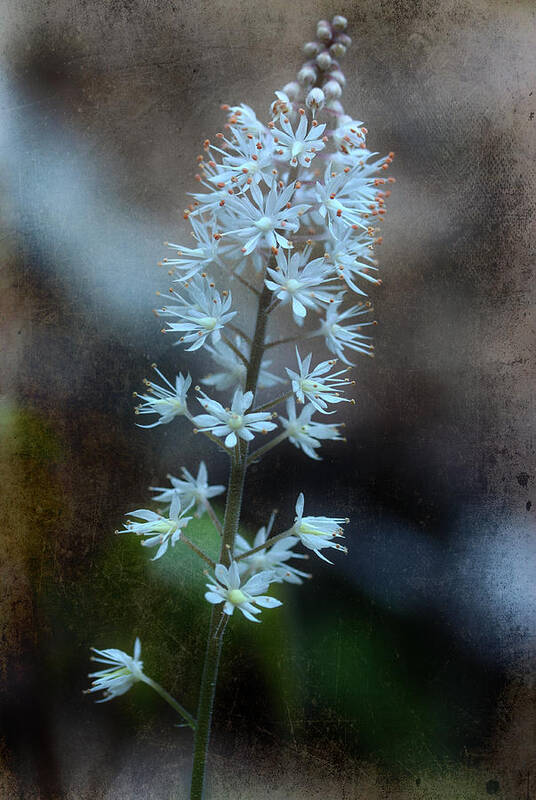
258,454
198,551
267,543
239,331
171,700
272,403
239,464
206,703
236,351
213,517
282,341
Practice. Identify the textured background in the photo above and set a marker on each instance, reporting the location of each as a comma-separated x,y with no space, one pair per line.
405,671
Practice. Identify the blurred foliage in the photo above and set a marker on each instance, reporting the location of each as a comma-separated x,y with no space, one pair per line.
323,672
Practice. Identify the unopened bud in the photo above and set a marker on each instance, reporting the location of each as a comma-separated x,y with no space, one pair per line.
337,50
332,90
315,100
292,90
344,39
339,23
337,75
307,75
312,49
323,31
323,61
335,106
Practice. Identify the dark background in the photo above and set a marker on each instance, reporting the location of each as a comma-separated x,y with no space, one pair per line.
404,671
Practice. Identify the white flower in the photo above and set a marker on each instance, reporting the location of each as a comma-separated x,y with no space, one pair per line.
339,335
167,403
234,370
317,533
244,117
283,104
124,671
298,147
190,260
273,558
261,219
315,99
351,255
227,589
348,196
233,422
304,433
161,530
190,490
297,280
320,389
202,312
245,159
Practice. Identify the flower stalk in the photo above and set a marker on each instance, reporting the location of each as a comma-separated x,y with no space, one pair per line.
299,234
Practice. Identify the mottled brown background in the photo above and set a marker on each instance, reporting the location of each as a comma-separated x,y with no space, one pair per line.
103,107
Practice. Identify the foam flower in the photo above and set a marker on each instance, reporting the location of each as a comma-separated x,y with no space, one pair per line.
227,588
234,422
318,533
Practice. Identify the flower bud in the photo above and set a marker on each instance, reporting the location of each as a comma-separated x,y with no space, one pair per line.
332,90
307,75
324,61
337,50
323,31
339,23
315,100
336,75
335,106
343,38
292,90
312,49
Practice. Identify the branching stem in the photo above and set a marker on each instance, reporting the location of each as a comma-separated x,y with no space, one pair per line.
171,700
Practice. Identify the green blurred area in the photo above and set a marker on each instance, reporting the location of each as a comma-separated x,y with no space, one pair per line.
322,674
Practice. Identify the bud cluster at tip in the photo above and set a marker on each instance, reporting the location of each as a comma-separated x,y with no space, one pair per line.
320,79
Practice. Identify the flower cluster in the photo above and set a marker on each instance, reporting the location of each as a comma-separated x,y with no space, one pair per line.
283,226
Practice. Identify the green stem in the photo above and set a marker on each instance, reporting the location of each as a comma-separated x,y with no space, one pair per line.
239,465
171,700
236,351
212,514
197,550
267,543
272,403
261,451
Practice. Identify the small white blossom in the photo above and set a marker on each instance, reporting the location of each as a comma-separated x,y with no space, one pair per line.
297,281
298,146
122,673
233,423
315,385
350,253
317,533
161,530
304,433
315,100
190,260
261,219
283,104
245,159
339,335
167,403
190,490
233,370
245,118
227,589
272,558
202,312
